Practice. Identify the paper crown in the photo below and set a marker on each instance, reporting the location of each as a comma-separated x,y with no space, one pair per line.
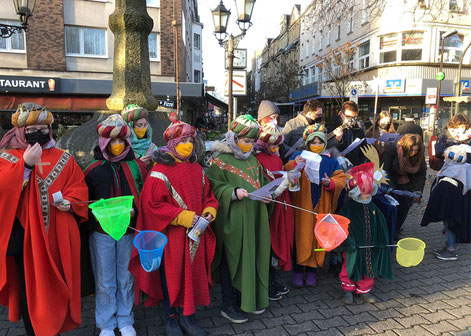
31,114
363,175
315,130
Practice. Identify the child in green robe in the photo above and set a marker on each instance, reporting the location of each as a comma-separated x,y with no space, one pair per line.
242,257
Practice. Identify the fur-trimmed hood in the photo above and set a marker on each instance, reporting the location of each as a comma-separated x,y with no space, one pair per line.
220,147
163,157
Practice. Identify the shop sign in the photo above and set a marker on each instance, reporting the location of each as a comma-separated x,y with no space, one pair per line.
167,103
465,85
431,96
395,85
28,84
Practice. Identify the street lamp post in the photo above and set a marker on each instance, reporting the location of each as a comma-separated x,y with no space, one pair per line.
444,36
24,8
229,42
458,84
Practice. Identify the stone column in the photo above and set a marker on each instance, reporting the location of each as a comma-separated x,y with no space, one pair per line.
131,26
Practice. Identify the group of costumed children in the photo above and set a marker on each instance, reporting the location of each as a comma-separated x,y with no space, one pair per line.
248,237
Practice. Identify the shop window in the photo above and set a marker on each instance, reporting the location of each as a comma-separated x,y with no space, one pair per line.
81,41
154,46
364,55
453,48
16,42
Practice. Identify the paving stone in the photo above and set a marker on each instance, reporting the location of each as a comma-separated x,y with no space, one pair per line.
440,315
462,323
442,326
461,311
251,325
296,329
279,321
330,332
386,314
382,326
340,311
414,331
272,332
336,321
412,320
357,329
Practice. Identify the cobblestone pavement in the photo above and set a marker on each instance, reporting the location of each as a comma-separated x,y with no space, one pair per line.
433,298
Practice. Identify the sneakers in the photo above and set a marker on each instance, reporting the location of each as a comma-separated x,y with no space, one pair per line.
107,332
368,297
298,280
172,328
190,327
234,314
347,298
311,280
273,294
128,331
258,311
282,290
440,251
447,255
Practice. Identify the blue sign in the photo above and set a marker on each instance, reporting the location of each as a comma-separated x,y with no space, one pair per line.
465,85
353,92
394,85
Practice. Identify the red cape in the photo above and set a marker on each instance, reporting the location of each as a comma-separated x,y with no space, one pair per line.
188,283
51,243
281,219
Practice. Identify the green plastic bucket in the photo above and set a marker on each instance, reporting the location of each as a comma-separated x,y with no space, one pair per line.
113,214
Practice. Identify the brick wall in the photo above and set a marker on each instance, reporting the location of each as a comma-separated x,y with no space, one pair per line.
45,41
167,40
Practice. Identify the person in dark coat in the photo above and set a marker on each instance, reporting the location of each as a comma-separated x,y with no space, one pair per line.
410,127
404,162
344,138
450,198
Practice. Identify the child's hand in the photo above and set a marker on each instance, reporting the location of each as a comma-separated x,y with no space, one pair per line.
241,194
326,180
63,206
208,216
195,219
299,160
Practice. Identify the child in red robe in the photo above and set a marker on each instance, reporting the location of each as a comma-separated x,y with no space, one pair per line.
39,239
174,196
282,217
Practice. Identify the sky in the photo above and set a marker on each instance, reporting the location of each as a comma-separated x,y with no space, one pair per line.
266,19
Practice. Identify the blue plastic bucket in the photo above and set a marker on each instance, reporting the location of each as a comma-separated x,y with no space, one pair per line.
150,245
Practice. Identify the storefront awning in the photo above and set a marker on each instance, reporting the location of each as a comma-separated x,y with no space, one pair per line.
55,103
216,102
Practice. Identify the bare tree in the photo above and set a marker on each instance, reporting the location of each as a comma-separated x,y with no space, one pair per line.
443,11
338,70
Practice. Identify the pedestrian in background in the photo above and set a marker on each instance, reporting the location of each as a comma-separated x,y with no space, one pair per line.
450,197
410,127
114,172
268,113
383,125
404,162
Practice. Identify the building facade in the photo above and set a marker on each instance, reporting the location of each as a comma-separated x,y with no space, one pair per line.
395,50
65,59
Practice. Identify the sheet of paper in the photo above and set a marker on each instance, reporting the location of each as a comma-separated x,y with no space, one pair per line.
313,163
294,147
198,229
370,141
352,146
57,197
329,219
266,190
389,137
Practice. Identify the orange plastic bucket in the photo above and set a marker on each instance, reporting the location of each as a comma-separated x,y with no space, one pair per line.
331,230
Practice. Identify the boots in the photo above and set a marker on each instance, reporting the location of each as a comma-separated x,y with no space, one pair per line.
190,327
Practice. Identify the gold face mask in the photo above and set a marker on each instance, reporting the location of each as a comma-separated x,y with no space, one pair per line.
117,149
316,148
140,132
184,149
274,150
244,148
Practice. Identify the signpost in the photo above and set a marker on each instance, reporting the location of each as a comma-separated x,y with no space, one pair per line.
354,95
239,83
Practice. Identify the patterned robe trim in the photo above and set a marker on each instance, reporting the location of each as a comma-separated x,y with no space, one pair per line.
9,157
230,168
368,241
46,183
176,196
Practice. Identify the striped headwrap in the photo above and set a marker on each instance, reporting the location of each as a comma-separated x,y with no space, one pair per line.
245,126
31,114
316,130
179,129
134,112
271,134
114,127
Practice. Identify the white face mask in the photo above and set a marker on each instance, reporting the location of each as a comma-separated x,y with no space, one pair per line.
355,194
273,122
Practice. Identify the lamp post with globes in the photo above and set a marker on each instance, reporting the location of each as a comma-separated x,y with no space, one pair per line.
24,8
229,42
